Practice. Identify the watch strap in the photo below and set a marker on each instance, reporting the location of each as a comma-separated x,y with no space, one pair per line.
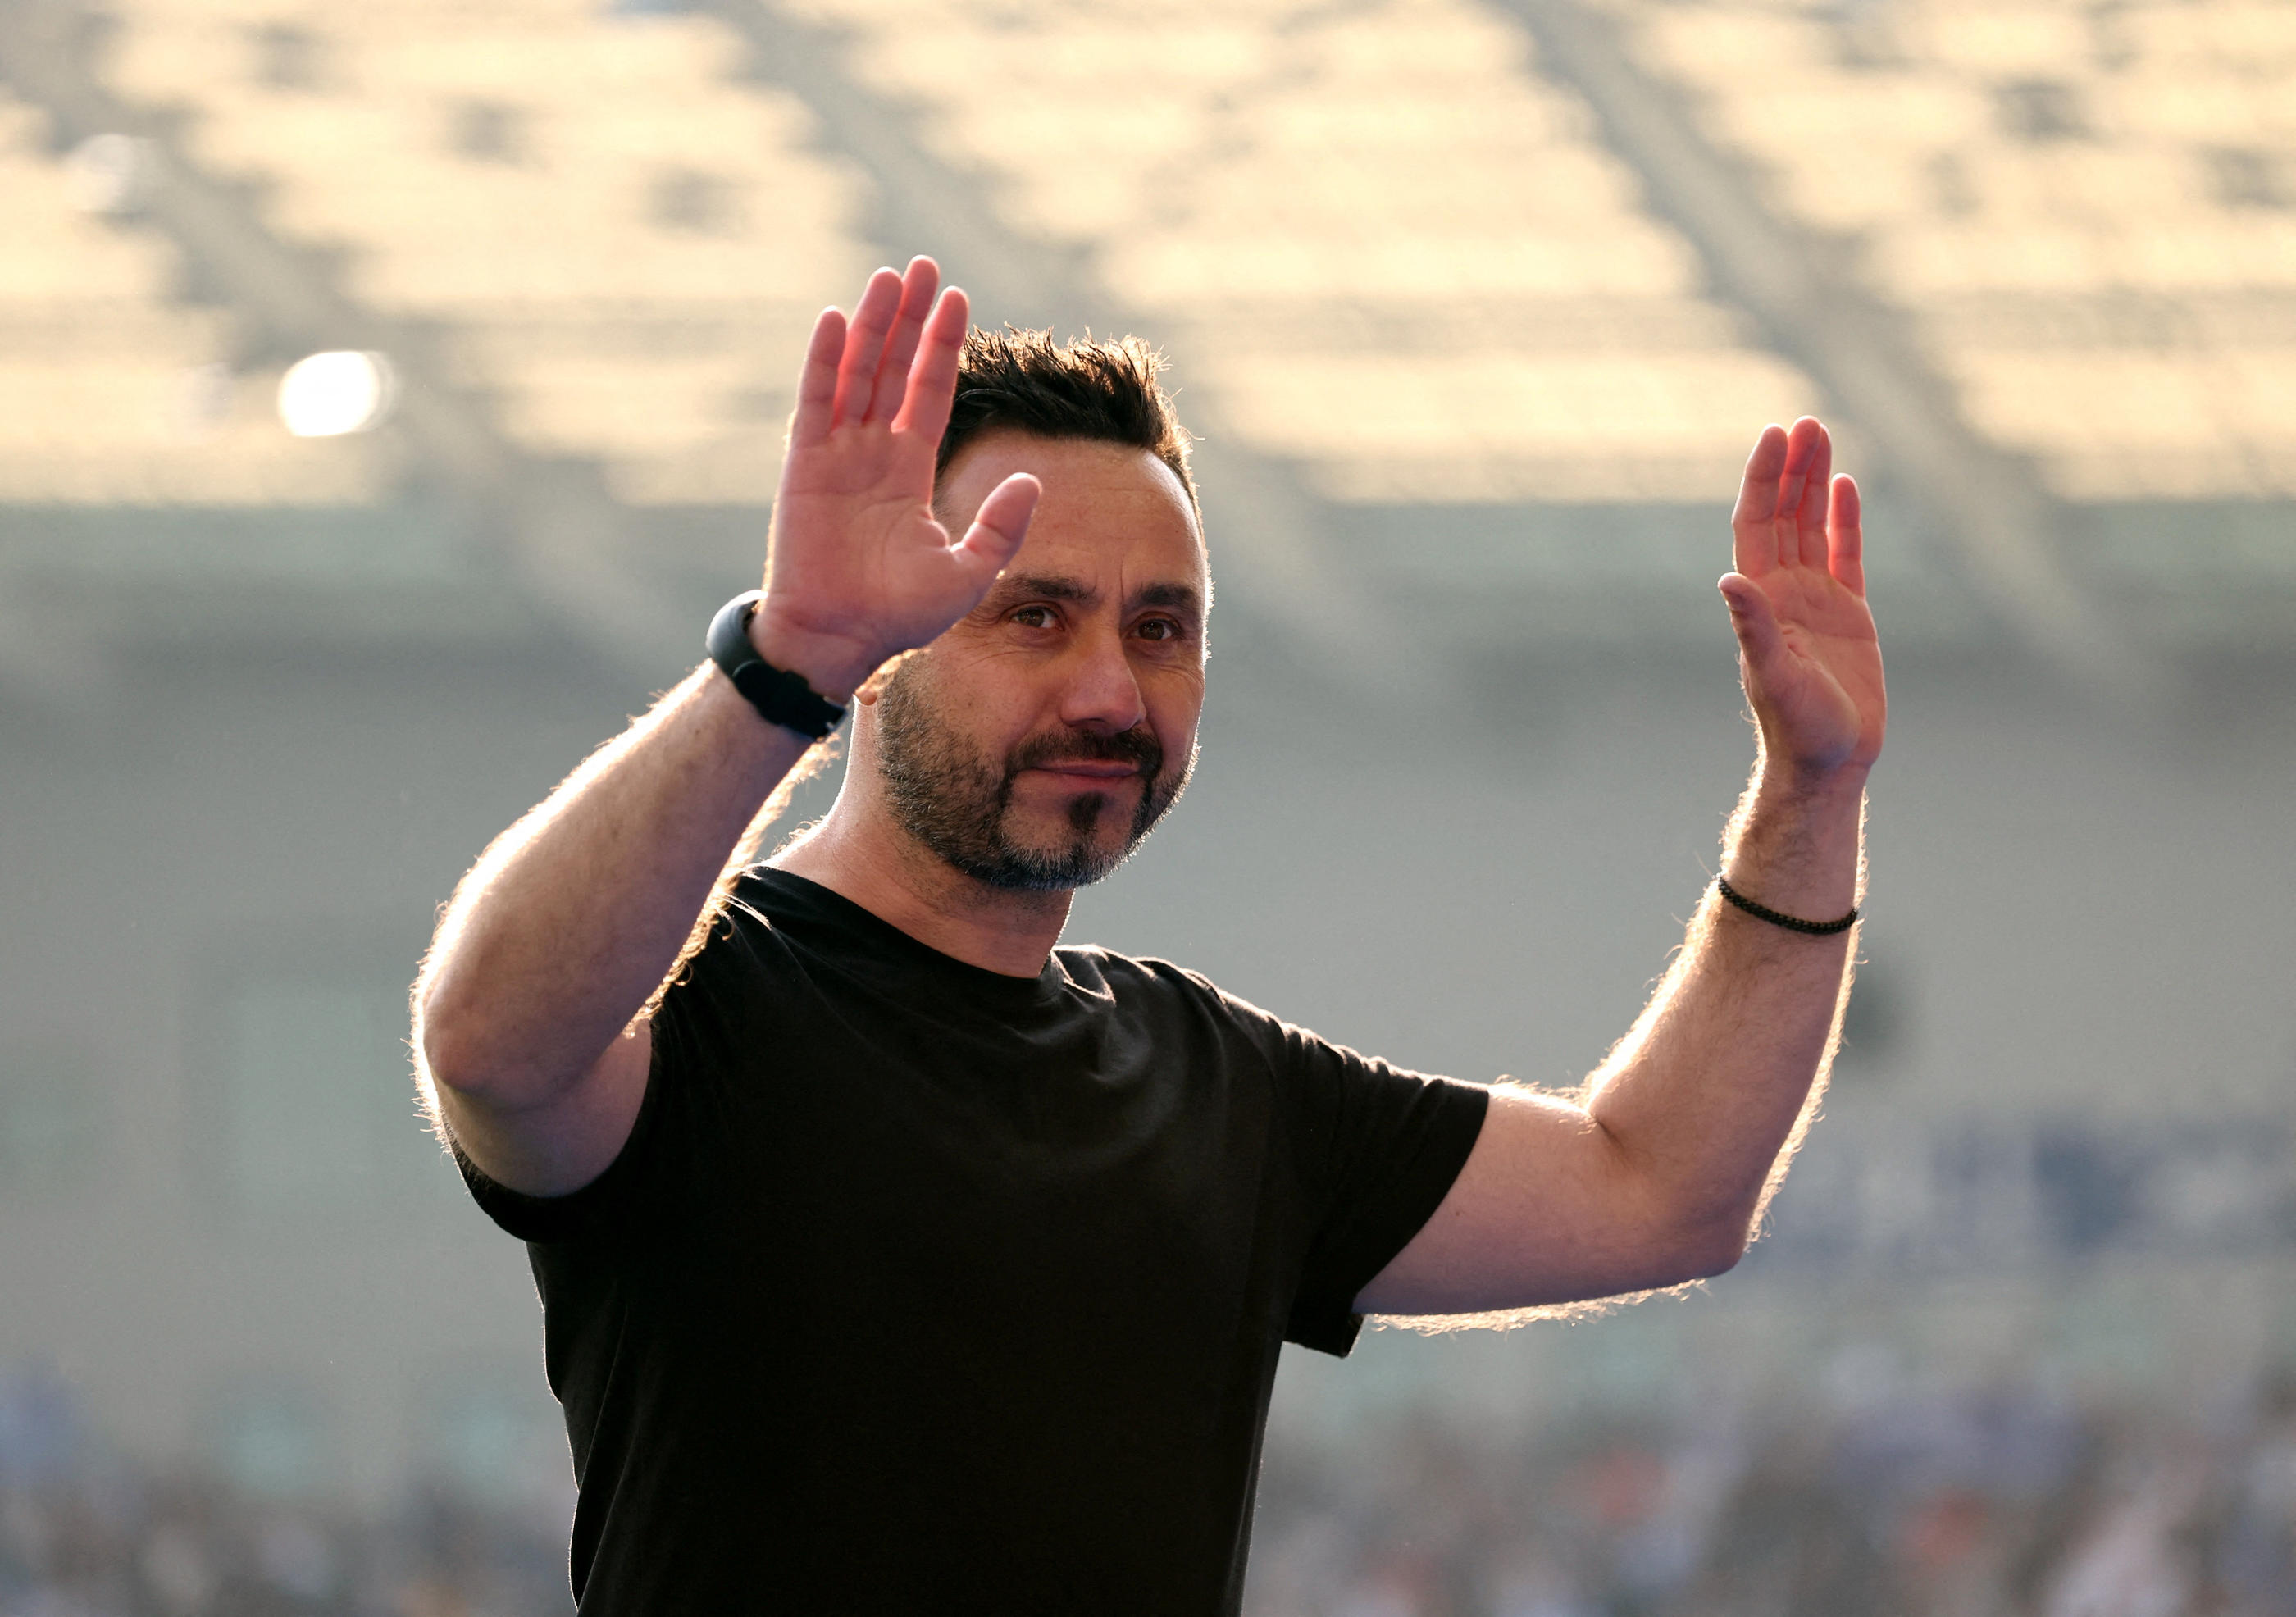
780,696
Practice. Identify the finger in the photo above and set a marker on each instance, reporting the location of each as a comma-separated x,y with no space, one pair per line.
816,379
1800,448
999,526
932,379
1846,535
1754,621
917,289
1754,546
873,319
1809,517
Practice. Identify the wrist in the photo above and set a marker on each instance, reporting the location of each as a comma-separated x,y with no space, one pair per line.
835,665
1802,924
1783,786
1796,844
782,696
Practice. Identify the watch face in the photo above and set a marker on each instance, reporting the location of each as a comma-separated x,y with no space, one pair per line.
728,640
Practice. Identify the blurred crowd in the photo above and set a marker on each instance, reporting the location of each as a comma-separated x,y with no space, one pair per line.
130,1544
86,1532
1935,1504
1920,1503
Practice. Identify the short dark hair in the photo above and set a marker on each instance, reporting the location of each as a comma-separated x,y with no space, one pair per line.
1108,391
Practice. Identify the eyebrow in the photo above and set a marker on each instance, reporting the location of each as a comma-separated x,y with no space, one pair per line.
1180,596
1051,587
1055,587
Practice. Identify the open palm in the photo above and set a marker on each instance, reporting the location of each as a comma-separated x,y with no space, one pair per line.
1806,639
859,568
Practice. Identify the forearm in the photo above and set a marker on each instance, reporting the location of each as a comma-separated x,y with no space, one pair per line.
567,925
1701,1098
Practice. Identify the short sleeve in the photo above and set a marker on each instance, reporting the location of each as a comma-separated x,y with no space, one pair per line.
1376,1150
596,1208
612,1202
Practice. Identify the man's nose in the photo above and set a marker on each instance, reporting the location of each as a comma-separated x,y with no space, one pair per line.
1103,692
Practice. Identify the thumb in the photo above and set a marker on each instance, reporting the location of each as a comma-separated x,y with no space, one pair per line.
1751,618
999,526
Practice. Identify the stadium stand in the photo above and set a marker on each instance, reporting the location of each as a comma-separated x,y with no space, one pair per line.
2090,212
1388,245
113,391
1381,245
618,243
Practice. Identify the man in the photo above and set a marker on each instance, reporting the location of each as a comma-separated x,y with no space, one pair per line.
893,1260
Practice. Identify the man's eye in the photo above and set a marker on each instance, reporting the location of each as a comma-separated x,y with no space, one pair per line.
1160,628
1034,616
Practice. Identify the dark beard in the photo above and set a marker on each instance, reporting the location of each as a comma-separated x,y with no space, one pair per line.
955,801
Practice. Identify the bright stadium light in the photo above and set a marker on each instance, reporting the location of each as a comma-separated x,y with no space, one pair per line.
327,395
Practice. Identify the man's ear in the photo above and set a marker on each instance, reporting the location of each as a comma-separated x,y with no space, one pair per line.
866,695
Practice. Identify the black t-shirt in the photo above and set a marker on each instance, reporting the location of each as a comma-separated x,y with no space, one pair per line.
922,1288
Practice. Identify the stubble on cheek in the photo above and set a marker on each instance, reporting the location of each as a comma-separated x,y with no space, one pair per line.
959,802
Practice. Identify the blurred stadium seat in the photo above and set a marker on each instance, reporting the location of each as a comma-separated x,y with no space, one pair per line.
113,391
1389,247
618,243
1377,242
2089,213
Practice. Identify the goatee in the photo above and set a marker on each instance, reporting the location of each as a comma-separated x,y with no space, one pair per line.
956,801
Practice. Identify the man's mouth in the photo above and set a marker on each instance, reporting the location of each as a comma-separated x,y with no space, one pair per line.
1086,769
1082,761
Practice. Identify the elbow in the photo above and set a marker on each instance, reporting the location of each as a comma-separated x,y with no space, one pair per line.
452,1053
1685,1250
1688,1237
1718,1258
466,1049
1713,1249
460,1047
444,1059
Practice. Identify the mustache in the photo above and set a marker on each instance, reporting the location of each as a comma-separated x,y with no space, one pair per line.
1137,746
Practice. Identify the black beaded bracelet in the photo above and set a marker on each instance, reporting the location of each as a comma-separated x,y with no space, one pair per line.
1792,923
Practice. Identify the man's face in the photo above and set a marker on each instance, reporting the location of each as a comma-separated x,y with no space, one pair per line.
1034,744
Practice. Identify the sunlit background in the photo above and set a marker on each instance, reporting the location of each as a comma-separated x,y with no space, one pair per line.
389,390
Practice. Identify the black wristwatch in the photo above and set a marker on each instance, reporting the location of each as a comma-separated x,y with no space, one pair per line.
780,696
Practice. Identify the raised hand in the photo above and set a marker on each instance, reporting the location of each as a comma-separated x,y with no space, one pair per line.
1811,660
858,569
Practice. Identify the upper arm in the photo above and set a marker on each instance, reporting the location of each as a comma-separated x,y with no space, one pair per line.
558,1145
1546,1210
